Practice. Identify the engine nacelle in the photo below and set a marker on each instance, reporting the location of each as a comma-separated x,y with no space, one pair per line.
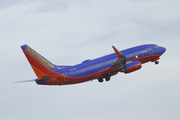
132,66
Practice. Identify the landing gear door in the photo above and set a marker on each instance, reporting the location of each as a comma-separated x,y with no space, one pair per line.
65,77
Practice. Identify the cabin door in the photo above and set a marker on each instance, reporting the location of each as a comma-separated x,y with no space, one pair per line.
65,77
150,49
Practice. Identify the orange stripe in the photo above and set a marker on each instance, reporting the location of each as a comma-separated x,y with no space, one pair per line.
33,62
39,74
52,81
145,58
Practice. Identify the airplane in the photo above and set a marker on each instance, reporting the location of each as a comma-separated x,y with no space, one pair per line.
125,61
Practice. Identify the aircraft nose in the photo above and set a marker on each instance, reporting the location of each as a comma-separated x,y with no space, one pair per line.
162,50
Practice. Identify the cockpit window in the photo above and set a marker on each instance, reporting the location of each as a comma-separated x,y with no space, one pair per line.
156,46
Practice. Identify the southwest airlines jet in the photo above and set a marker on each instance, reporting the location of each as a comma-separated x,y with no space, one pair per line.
125,61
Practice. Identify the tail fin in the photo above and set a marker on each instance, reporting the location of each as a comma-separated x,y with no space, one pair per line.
40,65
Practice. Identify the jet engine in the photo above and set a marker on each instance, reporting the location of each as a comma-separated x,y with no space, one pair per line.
132,66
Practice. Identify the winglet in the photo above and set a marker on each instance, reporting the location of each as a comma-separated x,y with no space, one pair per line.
117,52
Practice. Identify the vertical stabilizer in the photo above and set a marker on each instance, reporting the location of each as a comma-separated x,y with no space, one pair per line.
40,65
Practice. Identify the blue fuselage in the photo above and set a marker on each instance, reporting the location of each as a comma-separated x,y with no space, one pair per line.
125,61
143,53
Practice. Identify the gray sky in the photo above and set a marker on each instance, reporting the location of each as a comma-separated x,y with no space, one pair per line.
66,32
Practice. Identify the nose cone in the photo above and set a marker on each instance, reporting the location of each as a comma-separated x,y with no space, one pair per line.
162,50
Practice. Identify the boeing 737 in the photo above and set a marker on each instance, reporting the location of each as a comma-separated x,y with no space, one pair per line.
125,61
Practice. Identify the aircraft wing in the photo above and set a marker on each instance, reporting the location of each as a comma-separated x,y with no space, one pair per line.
117,66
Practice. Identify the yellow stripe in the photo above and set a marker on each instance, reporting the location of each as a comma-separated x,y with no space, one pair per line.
38,61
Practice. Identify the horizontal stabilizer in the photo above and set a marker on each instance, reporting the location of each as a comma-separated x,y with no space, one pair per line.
25,81
46,77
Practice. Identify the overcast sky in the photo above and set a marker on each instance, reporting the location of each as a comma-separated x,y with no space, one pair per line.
67,32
